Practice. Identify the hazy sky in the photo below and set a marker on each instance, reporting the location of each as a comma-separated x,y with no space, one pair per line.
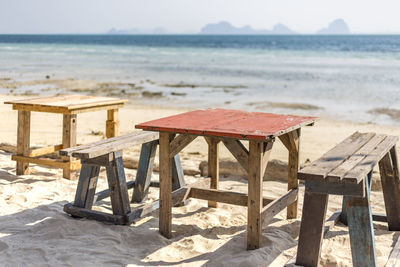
188,16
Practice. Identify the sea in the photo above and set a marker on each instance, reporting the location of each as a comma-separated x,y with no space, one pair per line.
343,77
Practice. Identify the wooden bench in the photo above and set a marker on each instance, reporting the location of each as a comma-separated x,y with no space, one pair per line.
108,153
347,170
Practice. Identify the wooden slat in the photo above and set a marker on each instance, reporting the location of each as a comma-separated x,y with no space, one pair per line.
276,206
223,196
46,161
112,123
336,188
45,150
86,189
95,150
69,151
68,138
180,142
320,168
62,110
367,164
239,151
339,172
96,215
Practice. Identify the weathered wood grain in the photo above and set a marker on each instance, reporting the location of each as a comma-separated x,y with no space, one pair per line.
293,168
276,206
255,189
68,138
165,217
311,229
320,168
213,166
391,189
23,140
394,258
86,189
239,151
144,171
180,142
112,123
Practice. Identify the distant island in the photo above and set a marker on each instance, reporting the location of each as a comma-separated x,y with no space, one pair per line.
225,27
338,26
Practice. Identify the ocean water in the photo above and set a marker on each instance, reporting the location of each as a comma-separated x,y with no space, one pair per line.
346,77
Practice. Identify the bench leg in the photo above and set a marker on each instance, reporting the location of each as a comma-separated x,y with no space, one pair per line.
213,166
68,138
178,179
361,230
311,229
117,184
389,171
86,186
165,217
23,140
144,171
343,214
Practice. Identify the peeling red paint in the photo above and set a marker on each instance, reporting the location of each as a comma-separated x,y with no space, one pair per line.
228,123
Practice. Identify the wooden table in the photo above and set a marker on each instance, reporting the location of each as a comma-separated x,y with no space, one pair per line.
231,127
69,106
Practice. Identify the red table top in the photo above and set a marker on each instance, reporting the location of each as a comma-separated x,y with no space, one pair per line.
228,123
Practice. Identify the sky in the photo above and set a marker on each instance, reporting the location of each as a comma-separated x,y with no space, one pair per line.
189,16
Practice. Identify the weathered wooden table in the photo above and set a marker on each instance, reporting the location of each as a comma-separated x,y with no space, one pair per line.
230,127
69,106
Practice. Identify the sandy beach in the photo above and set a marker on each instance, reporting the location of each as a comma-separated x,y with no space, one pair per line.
34,230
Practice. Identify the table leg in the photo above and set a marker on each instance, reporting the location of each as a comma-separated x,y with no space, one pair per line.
213,166
23,140
68,138
165,218
254,202
112,123
293,167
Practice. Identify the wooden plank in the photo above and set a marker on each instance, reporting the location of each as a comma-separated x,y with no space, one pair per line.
122,138
23,140
285,140
112,123
144,171
265,158
276,206
63,110
96,215
339,172
391,189
117,184
320,168
213,167
239,151
394,258
255,189
45,161
336,188
223,196
165,217
86,188
311,229
180,142
368,163
293,168
361,230
95,150
44,150
68,139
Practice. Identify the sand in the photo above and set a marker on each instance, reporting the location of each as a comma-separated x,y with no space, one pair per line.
34,231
